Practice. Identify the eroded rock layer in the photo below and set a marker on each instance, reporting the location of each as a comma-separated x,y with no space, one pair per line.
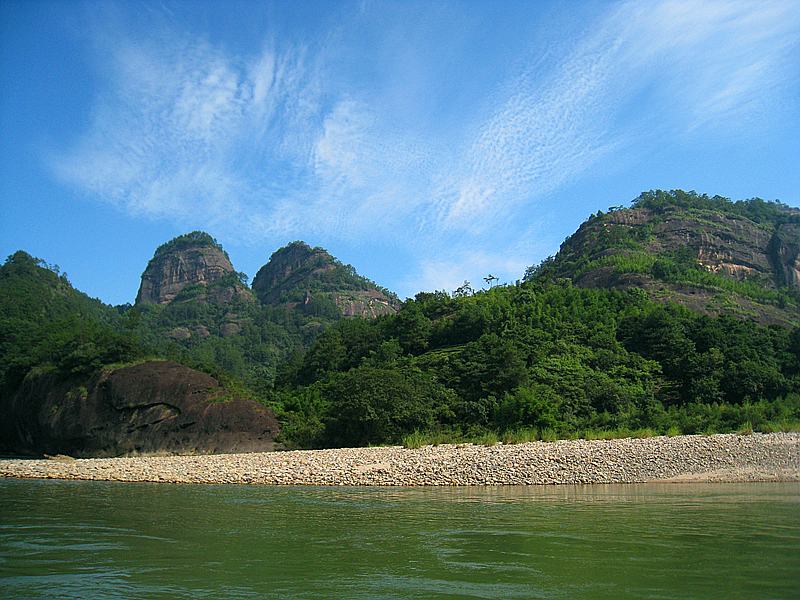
168,274
612,250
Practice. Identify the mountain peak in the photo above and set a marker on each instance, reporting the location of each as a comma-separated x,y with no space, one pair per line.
288,267
183,261
298,274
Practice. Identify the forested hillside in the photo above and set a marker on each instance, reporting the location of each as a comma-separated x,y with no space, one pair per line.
540,358
679,314
47,325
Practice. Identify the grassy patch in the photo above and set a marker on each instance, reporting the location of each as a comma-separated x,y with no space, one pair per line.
520,436
783,426
415,440
488,439
122,365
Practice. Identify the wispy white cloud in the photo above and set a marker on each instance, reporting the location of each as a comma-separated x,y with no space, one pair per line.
721,66
700,65
542,133
284,143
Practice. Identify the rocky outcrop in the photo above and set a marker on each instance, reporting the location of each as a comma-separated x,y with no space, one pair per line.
725,244
156,407
765,254
287,270
169,273
364,303
295,276
305,277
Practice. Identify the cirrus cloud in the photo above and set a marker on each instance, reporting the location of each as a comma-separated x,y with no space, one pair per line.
287,142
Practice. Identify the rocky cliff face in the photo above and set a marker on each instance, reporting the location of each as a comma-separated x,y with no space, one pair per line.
157,407
724,244
169,273
609,250
784,250
288,268
299,275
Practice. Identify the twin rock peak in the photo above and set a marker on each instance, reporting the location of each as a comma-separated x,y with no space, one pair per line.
295,274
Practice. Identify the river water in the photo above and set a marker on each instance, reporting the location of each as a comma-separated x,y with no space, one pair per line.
94,540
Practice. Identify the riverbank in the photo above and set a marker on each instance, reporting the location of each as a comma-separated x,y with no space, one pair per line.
727,458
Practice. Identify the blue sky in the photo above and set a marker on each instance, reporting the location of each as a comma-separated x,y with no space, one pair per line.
424,143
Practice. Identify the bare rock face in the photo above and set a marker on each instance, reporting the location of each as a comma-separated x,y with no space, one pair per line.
288,268
156,407
169,273
300,276
726,244
785,252
364,303
763,254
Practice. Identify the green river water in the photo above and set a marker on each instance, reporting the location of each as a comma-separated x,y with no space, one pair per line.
67,539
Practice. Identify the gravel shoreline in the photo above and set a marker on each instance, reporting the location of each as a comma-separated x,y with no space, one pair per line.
728,458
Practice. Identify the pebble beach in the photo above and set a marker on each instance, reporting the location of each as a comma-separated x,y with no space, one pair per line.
728,458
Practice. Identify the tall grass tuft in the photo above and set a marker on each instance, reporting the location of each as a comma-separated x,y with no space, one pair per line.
548,434
415,440
488,438
520,436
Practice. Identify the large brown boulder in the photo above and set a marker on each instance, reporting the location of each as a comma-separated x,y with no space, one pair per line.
156,407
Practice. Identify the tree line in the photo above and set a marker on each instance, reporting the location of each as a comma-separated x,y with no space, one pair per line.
541,356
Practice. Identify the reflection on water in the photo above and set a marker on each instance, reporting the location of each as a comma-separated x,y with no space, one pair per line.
110,540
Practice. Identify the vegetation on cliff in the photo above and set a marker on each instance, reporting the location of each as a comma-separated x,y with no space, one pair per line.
710,253
755,209
194,239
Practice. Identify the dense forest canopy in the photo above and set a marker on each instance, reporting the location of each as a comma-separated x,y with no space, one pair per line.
541,355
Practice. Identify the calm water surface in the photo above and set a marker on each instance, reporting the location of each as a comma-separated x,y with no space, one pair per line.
61,539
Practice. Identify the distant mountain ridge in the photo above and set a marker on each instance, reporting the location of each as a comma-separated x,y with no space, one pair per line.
193,303
295,276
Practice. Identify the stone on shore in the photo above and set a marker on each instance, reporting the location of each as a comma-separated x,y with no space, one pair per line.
714,458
